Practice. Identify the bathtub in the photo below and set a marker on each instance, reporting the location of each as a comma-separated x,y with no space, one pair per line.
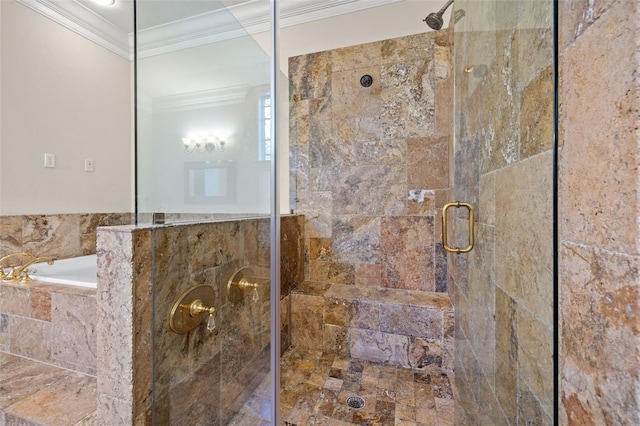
79,271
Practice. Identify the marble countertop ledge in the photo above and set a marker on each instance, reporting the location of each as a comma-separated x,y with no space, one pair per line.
389,295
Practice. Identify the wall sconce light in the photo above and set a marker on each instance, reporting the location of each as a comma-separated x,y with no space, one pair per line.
201,145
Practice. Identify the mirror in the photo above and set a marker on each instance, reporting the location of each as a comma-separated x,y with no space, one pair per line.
210,182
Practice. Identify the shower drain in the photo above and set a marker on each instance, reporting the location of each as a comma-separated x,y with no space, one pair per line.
355,402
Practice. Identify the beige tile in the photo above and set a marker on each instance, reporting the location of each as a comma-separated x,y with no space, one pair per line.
317,208
407,256
320,248
10,235
598,167
74,320
427,167
331,143
356,56
481,317
406,112
424,208
30,338
306,314
332,272
15,299
335,339
536,115
506,373
487,199
530,410
373,150
50,404
602,288
534,40
524,194
350,99
52,235
414,46
356,239
411,321
535,358
577,17
355,187
379,347
310,75
368,275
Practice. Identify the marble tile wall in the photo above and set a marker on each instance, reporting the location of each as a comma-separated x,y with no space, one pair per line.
60,236
54,324
202,375
503,165
406,328
359,153
599,250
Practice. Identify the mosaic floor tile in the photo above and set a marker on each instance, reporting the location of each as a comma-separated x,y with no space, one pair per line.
315,387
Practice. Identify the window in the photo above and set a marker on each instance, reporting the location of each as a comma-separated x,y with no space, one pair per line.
265,128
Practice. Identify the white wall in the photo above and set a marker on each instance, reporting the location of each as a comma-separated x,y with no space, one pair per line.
65,95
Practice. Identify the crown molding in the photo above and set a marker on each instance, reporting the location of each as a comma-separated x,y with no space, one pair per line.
202,99
194,31
316,10
249,17
85,22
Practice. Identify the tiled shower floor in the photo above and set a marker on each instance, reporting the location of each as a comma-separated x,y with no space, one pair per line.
315,386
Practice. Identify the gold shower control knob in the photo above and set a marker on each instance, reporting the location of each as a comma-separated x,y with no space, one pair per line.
197,307
240,282
192,308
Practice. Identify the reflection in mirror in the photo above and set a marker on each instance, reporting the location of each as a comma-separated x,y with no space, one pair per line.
200,115
210,182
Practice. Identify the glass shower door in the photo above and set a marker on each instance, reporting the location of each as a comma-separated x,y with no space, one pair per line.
204,164
504,168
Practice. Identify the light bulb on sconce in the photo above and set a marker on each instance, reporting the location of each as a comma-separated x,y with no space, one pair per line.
201,145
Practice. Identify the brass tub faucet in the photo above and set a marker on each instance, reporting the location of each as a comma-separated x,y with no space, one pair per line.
22,273
10,276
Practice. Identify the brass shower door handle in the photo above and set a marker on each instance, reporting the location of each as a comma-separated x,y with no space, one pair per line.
468,248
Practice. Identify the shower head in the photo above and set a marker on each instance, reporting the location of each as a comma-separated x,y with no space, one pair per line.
434,19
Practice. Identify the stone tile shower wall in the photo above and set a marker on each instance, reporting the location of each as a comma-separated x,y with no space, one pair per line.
197,376
60,236
357,153
599,250
503,288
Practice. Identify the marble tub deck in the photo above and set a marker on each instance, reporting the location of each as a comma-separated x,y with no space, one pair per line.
33,393
315,386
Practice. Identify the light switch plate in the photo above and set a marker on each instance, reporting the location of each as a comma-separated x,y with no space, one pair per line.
49,160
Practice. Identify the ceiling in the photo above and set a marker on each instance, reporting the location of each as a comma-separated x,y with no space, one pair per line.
169,25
